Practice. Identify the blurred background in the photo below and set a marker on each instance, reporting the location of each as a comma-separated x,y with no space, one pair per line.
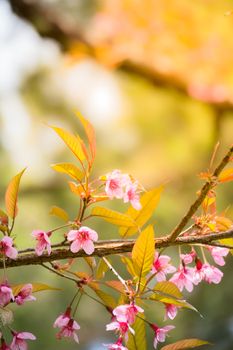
155,78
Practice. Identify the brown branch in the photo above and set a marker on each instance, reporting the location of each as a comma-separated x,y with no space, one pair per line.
104,248
205,189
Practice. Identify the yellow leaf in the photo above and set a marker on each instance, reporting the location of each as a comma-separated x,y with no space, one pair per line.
77,189
60,213
138,341
90,261
149,201
69,169
143,252
107,299
72,142
90,132
171,300
129,265
169,288
11,195
113,217
3,218
102,268
36,287
117,285
226,175
185,344
228,241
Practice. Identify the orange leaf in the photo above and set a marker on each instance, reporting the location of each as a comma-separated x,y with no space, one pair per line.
11,195
226,175
90,132
185,344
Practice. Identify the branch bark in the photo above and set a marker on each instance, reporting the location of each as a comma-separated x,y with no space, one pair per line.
104,248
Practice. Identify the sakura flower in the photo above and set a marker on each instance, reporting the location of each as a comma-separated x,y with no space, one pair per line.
43,242
161,267
6,294
6,248
18,342
4,346
127,313
63,319
171,311
115,184
69,330
116,346
82,239
132,196
160,333
183,278
218,253
188,258
24,294
122,327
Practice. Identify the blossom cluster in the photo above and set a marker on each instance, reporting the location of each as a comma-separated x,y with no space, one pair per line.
121,186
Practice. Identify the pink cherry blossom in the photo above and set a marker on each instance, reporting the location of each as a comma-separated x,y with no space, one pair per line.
183,278
116,346
18,342
6,294
188,258
171,311
63,319
24,294
69,330
218,253
127,313
6,248
161,267
122,327
132,196
43,242
115,184
4,346
82,239
207,273
160,333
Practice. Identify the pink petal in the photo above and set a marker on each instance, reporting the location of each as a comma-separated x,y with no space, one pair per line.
26,335
75,246
72,235
88,247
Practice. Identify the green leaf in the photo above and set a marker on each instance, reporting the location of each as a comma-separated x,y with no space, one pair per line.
90,132
168,288
69,169
143,252
59,212
149,201
11,195
186,344
138,341
113,217
74,143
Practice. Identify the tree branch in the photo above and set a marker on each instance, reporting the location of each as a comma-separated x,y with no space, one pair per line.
205,189
104,248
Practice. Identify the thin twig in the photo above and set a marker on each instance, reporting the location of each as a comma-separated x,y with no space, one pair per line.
205,189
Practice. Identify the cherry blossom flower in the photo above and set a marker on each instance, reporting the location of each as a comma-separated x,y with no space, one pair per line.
183,278
24,294
82,239
161,266
160,333
116,346
122,327
4,346
132,196
188,258
6,294
127,313
18,342
68,326
218,253
43,241
207,273
63,319
115,184
6,248
171,311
